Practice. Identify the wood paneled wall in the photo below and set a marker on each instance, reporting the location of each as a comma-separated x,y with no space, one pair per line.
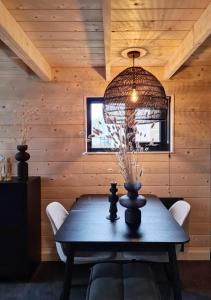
56,143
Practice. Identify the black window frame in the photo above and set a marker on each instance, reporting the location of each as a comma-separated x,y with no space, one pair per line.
165,129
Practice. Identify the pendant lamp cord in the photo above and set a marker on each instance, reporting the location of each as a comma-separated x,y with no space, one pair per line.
169,171
134,71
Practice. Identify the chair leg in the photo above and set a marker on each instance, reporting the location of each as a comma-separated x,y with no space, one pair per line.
167,271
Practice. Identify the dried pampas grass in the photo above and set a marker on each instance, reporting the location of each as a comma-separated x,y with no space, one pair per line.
123,135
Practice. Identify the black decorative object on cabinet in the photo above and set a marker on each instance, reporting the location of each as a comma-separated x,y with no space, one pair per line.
20,227
22,156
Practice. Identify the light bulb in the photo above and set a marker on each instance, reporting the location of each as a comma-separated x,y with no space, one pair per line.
134,95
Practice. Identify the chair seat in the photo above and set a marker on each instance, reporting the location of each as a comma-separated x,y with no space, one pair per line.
161,257
130,281
149,256
93,257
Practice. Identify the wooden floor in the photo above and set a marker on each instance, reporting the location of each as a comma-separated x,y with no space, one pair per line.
196,277
47,281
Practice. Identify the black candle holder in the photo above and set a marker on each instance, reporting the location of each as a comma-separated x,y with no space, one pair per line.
113,199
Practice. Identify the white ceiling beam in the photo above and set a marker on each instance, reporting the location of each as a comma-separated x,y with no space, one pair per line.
107,36
196,36
16,39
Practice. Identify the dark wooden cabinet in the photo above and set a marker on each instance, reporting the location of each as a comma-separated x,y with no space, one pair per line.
20,227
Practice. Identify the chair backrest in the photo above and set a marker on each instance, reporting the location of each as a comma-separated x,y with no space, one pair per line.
57,214
180,211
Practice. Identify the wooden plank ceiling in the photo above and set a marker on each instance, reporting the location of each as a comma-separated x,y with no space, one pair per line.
71,32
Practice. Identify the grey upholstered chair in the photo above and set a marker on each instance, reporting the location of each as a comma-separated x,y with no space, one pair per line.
57,214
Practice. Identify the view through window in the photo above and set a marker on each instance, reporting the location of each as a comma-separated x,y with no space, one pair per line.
155,132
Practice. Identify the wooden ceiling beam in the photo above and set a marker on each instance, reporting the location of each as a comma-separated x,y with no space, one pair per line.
196,36
16,39
107,37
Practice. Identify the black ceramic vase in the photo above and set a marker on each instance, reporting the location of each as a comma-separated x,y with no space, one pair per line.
132,201
22,156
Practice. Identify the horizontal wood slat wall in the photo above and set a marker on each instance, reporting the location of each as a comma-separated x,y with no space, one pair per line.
57,143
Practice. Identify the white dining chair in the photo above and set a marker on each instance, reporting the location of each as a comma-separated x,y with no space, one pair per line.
57,214
180,211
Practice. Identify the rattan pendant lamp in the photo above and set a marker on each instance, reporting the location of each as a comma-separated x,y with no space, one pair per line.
135,90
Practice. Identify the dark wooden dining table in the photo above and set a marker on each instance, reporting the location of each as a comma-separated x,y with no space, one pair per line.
87,229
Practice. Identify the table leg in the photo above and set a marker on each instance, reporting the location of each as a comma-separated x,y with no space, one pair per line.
68,275
174,272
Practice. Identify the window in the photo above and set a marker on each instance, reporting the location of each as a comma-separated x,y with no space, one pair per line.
159,133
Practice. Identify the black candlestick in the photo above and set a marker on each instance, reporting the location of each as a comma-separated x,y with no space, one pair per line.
113,199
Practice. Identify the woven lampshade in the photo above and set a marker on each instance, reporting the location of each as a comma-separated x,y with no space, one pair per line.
151,103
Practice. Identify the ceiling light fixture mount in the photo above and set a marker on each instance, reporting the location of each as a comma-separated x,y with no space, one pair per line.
137,51
133,54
